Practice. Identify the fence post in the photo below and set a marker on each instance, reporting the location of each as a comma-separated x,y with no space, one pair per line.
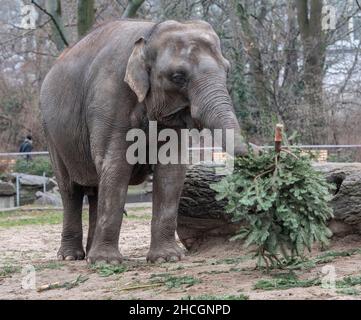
17,191
44,183
278,137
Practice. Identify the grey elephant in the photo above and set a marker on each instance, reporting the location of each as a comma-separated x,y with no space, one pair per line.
121,76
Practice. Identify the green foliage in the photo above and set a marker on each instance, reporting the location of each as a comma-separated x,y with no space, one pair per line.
232,260
284,282
160,275
283,201
176,268
8,270
36,166
174,281
72,284
67,285
214,272
52,265
212,297
349,291
349,281
326,257
11,104
21,218
106,270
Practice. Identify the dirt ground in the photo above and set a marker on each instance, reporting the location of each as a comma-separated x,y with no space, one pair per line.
224,271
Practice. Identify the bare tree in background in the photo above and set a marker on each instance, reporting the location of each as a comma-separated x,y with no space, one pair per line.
85,16
309,16
132,8
53,8
260,82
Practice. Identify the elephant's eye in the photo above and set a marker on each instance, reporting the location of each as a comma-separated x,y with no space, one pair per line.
179,78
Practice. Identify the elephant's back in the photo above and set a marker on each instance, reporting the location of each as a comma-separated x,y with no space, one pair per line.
114,33
107,44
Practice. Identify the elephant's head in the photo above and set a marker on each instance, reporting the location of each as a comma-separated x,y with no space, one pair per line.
180,73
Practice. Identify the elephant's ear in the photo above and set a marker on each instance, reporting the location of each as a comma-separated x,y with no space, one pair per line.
136,74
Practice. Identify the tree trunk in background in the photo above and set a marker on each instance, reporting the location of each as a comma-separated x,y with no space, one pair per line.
132,8
251,47
201,217
85,16
309,16
289,94
238,80
291,67
58,32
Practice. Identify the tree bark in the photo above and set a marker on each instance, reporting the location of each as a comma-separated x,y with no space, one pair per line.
309,16
53,7
85,16
201,217
132,8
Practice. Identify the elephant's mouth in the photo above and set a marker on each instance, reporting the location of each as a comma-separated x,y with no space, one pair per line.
177,117
176,111
180,117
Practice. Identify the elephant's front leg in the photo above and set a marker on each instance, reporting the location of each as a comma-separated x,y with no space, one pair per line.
112,194
167,187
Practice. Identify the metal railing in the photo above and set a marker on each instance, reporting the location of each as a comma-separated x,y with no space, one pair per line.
191,149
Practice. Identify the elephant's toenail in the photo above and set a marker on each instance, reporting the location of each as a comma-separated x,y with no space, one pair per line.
60,257
160,260
69,258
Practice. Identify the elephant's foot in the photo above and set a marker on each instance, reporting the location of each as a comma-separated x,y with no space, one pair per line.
169,252
104,255
71,252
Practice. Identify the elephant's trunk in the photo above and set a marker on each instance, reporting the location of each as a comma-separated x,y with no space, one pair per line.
212,107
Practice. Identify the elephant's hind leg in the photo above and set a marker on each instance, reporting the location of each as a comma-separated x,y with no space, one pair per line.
72,236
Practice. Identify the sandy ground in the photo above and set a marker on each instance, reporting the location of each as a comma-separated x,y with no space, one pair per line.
226,269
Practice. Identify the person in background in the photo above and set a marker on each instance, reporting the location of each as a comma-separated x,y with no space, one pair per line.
27,146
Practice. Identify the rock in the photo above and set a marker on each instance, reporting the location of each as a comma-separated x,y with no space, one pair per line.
6,177
7,189
200,216
30,185
32,180
48,198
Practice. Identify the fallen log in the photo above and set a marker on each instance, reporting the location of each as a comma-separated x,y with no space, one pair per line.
201,217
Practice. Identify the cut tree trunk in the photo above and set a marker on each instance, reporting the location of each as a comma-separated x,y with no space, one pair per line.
201,217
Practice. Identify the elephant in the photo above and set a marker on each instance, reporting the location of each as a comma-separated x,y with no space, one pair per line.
120,76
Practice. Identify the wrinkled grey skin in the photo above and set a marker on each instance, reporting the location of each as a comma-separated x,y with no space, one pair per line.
119,77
